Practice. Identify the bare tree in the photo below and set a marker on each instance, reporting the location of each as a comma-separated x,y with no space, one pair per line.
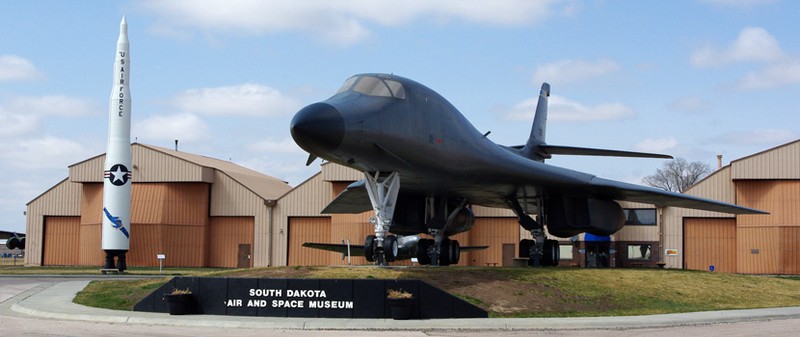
677,175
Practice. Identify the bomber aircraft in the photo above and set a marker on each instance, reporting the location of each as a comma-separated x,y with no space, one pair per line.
425,165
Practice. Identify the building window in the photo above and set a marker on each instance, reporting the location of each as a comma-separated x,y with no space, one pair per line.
640,216
639,252
565,252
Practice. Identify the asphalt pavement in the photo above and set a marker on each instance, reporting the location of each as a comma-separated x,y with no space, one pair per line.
53,299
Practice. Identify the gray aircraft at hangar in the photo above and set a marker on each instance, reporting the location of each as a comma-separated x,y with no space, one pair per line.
424,166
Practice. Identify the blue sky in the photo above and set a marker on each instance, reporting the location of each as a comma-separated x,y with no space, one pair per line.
687,78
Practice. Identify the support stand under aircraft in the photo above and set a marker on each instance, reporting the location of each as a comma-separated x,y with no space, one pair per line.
394,129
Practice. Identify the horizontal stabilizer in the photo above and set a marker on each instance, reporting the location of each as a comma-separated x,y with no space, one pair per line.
353,200
585,151
355,250
472,248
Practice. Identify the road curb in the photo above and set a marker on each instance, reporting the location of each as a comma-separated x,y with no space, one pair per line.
54,301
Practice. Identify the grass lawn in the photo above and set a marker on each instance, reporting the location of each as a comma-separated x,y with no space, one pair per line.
526,292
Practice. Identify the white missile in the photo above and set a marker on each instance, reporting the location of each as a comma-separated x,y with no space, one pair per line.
117,168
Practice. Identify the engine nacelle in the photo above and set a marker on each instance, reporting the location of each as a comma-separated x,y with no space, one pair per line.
568,216
462,221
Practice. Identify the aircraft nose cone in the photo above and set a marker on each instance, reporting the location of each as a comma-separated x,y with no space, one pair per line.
318,128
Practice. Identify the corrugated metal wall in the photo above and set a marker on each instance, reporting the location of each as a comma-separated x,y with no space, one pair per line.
768,250
710,241
780,198
352,227
306,200
492,232
782,162
61,241
63,199
225,236
790,247
148,166
166,218
305,229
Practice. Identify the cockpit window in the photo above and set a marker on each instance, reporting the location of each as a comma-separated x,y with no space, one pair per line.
374,86
397,89
347,84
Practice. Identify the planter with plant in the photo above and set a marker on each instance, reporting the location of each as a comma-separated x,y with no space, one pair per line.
180,301
400,303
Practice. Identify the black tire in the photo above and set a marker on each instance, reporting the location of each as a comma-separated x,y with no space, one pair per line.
369,248
390,248
444,253
422,251
12,243
551,253
455,252
525,247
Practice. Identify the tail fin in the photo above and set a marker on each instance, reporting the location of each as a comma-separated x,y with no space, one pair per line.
536,147
539,128
532,148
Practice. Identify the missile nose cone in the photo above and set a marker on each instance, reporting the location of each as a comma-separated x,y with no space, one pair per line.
318,128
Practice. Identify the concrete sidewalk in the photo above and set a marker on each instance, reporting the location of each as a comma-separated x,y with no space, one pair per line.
54,300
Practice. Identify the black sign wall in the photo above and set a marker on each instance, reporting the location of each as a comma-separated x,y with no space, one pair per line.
333,298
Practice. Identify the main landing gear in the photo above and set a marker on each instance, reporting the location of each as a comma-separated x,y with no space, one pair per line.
540,251
383,248
380,248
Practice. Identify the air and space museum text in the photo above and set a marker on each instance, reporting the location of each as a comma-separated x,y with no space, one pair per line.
295,298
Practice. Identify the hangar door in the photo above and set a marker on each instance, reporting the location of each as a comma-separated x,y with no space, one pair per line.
710,242
307,229
231,241
61,241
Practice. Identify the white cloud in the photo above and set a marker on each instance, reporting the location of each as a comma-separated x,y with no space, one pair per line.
573,70
12,124
753,44
772,75
757,137
22,114
284,146
185,127
561,109
15,68
342,22
42,153
246,100
53,105
657,145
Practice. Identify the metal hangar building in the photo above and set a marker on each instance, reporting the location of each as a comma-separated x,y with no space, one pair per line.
204,212
194,210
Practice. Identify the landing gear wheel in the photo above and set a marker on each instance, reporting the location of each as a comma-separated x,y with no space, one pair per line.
422,251
390,248
369,248
534,260
551,253
455,252
444,253
525,247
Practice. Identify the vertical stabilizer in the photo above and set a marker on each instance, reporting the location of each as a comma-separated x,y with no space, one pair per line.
538,131
540,118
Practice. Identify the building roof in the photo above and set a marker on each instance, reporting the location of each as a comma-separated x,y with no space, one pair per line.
266,187
779,162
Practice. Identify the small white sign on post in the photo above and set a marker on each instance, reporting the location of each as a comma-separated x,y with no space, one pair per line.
160,258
